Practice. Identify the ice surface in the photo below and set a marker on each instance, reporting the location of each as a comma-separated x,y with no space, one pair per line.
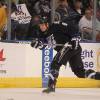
60,94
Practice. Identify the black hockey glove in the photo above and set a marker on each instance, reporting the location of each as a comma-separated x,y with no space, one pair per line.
75,42
37,44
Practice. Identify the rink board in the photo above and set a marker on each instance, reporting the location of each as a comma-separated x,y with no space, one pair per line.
23,66
37,83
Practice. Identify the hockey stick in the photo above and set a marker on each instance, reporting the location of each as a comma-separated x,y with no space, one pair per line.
68,45
62,52
29,42
66,48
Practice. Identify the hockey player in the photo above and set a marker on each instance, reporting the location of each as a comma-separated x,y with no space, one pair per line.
63,33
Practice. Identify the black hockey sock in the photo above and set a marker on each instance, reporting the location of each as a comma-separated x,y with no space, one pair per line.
52,84
52,78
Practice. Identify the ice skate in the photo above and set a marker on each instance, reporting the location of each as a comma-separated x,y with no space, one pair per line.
51,86
49,90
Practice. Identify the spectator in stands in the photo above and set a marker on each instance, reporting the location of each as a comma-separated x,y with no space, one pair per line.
61,11
98,14
20,19
85,25
91,4
78,7
3,20
40,7
33,28
98,25
14,23
43,8
65,12
30,5
98,37
13,7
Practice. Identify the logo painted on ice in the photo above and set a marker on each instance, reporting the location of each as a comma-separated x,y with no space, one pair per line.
2,55
47,56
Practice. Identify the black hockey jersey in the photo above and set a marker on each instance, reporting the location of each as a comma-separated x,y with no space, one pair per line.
63,32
